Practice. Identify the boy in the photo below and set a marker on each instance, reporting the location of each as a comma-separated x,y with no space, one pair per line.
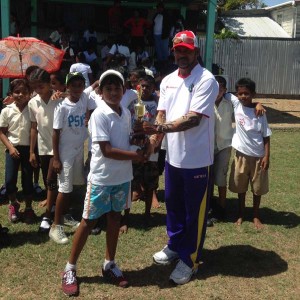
252,143
108,181
222,152
69,134
145,175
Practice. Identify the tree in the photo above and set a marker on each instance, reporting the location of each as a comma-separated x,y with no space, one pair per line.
240,4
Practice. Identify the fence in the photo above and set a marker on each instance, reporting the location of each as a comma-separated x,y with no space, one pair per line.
272,63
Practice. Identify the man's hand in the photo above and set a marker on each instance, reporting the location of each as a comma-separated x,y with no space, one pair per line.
57,166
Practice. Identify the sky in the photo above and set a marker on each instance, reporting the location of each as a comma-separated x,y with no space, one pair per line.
274,2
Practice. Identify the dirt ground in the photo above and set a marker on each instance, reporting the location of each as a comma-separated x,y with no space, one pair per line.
282,113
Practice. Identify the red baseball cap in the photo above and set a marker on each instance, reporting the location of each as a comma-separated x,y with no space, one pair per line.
186,39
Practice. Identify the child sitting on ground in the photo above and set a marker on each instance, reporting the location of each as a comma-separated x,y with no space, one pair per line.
108,181
15,135
252,143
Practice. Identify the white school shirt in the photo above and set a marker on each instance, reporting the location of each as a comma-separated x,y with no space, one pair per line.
249,130
84,69
18,124
193,148
122,50
223,125
43,113
106,125
70,118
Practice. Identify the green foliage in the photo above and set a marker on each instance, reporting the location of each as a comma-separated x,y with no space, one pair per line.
241,4
226,34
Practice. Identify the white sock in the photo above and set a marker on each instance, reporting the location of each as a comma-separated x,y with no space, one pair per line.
70,267
107,264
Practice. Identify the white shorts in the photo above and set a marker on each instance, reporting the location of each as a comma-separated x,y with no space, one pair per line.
221,164
72,172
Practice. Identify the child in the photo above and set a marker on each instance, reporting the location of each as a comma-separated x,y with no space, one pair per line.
82,67
108,180
145,175
41,111
69,134
15,135
252,143
58,81
222,152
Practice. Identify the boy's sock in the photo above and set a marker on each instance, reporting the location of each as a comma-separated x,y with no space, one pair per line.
70,267
107,264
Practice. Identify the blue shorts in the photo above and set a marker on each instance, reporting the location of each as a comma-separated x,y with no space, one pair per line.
101,199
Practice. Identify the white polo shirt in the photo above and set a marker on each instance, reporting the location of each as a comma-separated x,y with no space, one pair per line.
249,130
193,148
106,125
223,125
18,124
43,113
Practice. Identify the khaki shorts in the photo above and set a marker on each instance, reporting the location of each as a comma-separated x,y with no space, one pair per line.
221,163
246,169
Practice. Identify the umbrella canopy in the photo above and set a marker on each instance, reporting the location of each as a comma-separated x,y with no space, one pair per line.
18,53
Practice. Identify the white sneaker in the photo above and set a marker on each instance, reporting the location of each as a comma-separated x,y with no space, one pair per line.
165,256
182,273
58,235
70,221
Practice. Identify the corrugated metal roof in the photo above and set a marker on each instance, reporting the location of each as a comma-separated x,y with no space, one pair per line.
254,27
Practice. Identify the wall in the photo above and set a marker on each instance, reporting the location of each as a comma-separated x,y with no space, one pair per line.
287,18
273,64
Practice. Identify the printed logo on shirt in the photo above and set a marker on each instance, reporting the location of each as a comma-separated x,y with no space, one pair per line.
76,121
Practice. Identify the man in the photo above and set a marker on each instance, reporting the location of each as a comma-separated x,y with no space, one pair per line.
186,116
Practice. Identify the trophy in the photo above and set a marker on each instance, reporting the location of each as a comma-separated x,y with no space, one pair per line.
139,109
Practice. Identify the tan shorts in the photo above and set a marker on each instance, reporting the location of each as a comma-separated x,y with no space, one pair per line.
246,169
221,163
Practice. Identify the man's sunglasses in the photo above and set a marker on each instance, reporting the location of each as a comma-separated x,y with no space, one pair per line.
183,39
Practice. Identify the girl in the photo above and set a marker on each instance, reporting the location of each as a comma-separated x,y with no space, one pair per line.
15,135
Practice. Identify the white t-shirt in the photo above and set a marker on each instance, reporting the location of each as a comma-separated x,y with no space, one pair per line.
223,125
106,125
43,113
84,69
249,130
18,124
70,118
89,57
193,148
122,50
87,35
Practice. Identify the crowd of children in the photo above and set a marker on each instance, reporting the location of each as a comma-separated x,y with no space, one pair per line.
45,125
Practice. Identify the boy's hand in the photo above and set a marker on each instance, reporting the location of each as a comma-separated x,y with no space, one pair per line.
8,100
58,95
259,110
33,160
149,128
14,153
57,166
141,157
265,163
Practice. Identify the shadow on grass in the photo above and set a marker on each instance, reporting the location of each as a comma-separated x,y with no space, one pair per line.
238,260
241,261
268,216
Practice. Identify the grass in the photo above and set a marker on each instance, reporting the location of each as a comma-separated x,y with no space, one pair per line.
238,263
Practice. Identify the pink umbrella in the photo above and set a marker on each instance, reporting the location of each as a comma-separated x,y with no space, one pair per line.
18,53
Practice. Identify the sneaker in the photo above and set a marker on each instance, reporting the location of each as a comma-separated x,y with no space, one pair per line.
115,276
45,225
70,221
165,256
13,212
58,235
29,216
182,273
69,283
